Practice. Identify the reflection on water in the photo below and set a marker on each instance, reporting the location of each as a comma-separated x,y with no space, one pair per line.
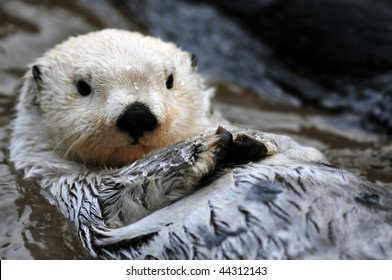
31,228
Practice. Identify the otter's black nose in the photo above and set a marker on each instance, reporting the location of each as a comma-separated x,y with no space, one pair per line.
136,120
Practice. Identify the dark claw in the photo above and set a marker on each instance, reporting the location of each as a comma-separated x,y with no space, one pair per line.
243,150
223,144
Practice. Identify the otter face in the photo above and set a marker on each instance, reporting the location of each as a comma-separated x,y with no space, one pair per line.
109,97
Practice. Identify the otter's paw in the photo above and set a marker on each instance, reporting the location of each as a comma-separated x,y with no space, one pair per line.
210,150
192,161
245,149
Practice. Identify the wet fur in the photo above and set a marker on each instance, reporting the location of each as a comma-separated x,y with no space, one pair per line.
121,67
289,203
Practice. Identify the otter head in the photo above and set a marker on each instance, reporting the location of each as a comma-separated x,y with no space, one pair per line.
109,97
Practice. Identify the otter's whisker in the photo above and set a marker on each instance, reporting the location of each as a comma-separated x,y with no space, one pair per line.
30,151
74,143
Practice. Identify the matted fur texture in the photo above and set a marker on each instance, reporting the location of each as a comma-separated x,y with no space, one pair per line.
183,197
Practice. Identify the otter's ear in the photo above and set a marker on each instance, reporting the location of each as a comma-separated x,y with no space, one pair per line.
34,85
37,74
193,60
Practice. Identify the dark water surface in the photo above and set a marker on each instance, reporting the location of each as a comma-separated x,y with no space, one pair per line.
231,57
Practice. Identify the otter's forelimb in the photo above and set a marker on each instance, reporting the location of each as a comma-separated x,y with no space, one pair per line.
170,174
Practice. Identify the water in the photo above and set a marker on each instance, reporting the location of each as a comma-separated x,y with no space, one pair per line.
228,54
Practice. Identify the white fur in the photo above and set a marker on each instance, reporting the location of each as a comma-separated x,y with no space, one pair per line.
121,67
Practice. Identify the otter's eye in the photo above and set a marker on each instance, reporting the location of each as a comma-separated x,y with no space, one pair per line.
83,88
169,81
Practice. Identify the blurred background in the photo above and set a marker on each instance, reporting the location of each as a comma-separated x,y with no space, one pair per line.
319,71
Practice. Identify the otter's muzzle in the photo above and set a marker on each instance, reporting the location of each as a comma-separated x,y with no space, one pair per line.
136,120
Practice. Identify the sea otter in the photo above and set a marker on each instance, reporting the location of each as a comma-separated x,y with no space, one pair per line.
118,131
